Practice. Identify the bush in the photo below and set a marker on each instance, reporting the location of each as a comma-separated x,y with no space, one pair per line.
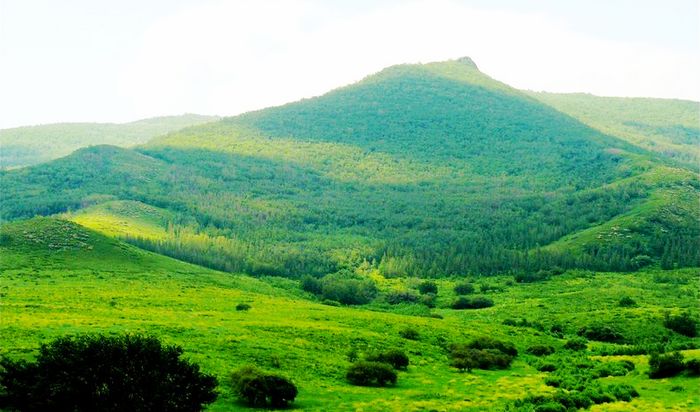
683,324
478,302
665,366
365,373
627,302
540,350
532,277
429,300
400,296
409,333
243,306
482,353
602,333
576,344
614,368
547,367
348,291
97,372
311,284
485,288
394,357
260,389
428,286
622,392
693,367
464,288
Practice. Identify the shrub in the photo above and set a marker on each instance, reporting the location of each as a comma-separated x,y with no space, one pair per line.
683,324
464,288
243,306
665,366
258,388
547,367
478,302
540,350
627,302
602,333
622,392
531,277
97,372
409,333
400,296
485,288
429,300
394,357
365,373
482,353
428,286
614,368
576,344
311,284
693,367
348,291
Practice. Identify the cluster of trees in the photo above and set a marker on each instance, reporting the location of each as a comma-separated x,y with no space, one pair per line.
377,369
482,353
672,364
262,389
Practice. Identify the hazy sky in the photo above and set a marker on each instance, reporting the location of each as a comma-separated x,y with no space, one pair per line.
121,60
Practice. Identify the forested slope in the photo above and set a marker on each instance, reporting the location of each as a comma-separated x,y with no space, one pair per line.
426,170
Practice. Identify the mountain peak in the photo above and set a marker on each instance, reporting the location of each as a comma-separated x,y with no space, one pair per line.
467,61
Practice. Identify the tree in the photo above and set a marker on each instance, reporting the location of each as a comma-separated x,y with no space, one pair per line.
428,286
366,373
105,373
258,388
394,357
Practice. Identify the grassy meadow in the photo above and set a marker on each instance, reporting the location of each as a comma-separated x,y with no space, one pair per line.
59,278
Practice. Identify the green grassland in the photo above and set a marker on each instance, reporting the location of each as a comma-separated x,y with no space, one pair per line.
59,278
29,145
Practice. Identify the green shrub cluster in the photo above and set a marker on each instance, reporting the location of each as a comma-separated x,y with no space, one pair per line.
683,323
477,302
482,353
367,373
262,389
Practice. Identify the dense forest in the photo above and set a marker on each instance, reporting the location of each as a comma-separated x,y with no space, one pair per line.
428,170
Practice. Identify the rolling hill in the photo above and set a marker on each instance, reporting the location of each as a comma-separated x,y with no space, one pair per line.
60,278
30,145
430,170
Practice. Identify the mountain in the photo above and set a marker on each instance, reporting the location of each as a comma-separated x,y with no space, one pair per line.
24,146
667,126
429,169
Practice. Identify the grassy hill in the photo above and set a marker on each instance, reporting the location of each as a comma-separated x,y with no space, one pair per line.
61,278
429,170
670,127
24,146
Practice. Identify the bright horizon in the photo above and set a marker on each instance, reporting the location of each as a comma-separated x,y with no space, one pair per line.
91,61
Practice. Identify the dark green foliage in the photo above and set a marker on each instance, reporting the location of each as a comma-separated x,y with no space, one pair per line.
547,367
464,288
602,333
428,287
394,357
540,350
627,302
261,389
693,367
243,307
683,323
623,392
105,373
477,302
486,288
576,344
311,284
409,333
482,353
365,373
400,296
348,290
530,277
665,365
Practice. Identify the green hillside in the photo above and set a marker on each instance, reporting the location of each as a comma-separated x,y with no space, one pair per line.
24,146
60,278
429,170
670,127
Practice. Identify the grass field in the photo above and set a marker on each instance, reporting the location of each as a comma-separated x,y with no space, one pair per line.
59,278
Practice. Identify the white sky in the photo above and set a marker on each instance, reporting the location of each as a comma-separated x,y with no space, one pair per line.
122,60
